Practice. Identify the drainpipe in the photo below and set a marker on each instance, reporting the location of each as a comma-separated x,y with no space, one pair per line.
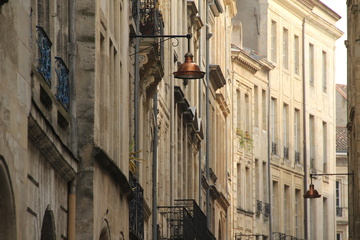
207,138
71,210
269,159
304,131
154,177
200,109
137,86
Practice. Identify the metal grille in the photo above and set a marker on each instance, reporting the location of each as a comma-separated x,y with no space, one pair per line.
286,152
273,148
259,207
339,211
136,209
62,72
297,157
44,60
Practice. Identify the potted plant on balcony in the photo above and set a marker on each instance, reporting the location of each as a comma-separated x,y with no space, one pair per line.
245,139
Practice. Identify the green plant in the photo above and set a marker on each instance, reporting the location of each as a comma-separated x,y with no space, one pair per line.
133,158
245,139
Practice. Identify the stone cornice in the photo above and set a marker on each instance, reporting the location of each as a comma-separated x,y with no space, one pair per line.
328,10
327,27
113,169
42,134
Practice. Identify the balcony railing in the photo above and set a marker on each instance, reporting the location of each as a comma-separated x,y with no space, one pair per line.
273,148
62,72
259,207
286,152
185,220
297,157
283,236
136,211
44,60
339,211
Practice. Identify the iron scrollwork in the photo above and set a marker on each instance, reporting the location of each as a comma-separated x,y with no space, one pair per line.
62,72
44,60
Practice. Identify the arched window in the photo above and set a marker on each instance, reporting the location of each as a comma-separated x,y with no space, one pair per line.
105,231
48,226
7,206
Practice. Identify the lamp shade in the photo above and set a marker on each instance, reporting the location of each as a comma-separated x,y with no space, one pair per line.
189,69
312,193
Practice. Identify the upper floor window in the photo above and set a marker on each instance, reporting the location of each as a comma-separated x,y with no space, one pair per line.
324,72
311,65
273,41
285,48
296,54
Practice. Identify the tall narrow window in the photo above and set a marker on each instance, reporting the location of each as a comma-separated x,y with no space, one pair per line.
324,72
275,207
256,106
296,54
285,131
247,113
297,213
264,181
272,124
311,65
338,199
257,179
286,207
273,41
325,219
325,147
297,135
238,109
248,197
312,141
263,106
238,187
285,48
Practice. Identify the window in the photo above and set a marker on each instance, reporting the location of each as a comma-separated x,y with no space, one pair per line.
248,197
297,213
325,147
285,48
325,219
311,65
273,41
238,183
338,198
238,108
275,207
247,113
287,211
263,106
285,131
264,181
296,54
257,180
324,72
312,141
256,106
297,135
272,124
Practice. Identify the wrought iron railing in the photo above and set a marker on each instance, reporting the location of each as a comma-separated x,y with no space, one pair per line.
339,211
273,148
284,236
297,157
62,95
286,152
185,220
44,60
259,207
267,209
136,211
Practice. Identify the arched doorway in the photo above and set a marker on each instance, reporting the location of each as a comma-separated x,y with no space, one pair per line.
48,226
105,231
7,205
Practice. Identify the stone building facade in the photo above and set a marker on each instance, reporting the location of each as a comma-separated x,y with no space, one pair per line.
298,38
353,117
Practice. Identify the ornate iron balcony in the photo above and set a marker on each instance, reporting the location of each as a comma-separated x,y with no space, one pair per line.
185,220
136,211
339,211
62,72
259,207
273,148
44,60
297,157
286,152
267,209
